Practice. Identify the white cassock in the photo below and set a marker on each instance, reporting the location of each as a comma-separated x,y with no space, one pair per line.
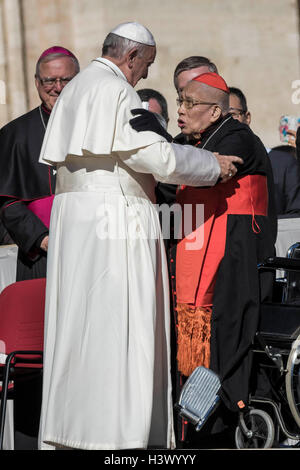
107,382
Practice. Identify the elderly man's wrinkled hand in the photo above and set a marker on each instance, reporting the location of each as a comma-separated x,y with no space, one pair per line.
228,169
44,243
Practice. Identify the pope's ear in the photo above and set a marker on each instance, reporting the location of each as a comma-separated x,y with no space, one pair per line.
131,55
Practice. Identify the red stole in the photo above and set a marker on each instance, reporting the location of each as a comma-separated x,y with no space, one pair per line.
197,263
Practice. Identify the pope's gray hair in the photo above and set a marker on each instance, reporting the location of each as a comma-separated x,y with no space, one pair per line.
116,46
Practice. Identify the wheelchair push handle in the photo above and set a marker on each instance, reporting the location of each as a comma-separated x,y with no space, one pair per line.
277,262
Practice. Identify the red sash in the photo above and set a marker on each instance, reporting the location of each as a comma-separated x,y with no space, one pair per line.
42,208
197,265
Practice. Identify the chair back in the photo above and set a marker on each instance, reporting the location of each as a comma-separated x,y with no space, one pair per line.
22,306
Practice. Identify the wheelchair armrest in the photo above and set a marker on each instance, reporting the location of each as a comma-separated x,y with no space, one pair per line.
277,262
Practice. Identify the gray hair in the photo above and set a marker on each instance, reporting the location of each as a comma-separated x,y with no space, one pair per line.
116,46
53,56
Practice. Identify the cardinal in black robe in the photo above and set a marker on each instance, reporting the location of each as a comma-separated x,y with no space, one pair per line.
217,287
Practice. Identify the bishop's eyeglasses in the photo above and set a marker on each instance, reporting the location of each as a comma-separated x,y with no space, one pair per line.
49,83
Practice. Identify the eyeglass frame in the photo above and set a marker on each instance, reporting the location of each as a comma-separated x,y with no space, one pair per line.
180,101
54,80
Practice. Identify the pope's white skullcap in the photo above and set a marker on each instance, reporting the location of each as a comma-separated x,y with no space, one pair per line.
136,32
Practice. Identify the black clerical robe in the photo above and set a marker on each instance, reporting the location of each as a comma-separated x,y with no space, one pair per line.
249,239
286,170
24,180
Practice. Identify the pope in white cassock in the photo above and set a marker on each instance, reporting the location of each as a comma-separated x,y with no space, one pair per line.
107,378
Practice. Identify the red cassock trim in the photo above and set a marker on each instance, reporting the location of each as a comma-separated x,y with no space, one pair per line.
200,252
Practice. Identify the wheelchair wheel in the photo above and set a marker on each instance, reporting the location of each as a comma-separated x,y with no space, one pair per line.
261,431
292,380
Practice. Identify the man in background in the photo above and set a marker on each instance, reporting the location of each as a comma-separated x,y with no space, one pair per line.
238,106
26,186
156,103
285,167
189,68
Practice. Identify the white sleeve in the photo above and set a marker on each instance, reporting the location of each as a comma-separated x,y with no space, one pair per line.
175,164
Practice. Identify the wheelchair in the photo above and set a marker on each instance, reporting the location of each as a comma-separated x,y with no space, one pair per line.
273,415
274,403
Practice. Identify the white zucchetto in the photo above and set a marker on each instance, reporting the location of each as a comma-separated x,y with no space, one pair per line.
135,32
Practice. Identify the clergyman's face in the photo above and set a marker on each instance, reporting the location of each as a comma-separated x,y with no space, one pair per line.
192,120
236,110
188,75
154,106
141,65
61,68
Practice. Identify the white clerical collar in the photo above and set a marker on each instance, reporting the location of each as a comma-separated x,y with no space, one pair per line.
112,66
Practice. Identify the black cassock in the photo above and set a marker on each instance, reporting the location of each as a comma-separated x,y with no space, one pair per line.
237,291
23,180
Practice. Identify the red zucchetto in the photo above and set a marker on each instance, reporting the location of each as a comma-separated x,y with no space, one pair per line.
212,79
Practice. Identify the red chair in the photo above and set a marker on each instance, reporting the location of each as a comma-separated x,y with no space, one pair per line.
22,307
